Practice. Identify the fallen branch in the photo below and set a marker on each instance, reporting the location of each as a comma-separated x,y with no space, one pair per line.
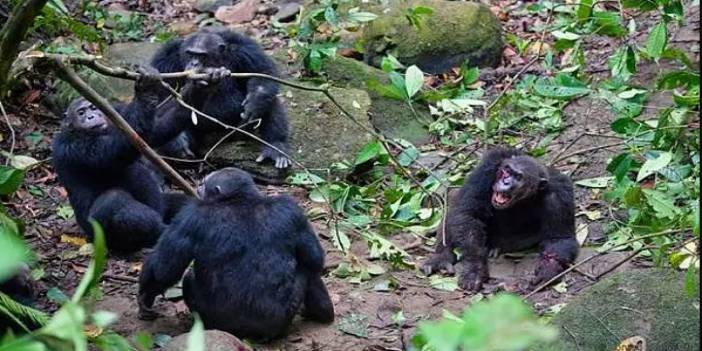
71,77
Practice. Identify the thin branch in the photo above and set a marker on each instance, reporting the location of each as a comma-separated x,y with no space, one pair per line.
71,77
12,134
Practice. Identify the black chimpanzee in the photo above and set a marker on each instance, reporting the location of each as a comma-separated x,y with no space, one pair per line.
100,169
509,202
257,260
234,101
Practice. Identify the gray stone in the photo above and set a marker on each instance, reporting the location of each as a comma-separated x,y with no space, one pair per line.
649,303
457,31
243,12
287,11
211,5
320,136
215,340
128,54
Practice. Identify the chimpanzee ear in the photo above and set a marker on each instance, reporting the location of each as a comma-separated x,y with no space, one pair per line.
543,182
221,47
218,189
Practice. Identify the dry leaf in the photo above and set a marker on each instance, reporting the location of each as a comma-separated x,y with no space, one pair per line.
73,240
634,343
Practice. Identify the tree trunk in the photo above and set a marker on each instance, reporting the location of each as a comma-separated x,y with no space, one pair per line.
12,35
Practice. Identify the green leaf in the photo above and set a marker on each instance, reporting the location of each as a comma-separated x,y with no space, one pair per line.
422,10
599,182
677,79
12,251
408,155
196,337
354,324
369,152
91,279
414,79
657,40
549,88
644,5
304,178
662,203
10,179
470,75
22,344
653,165
390,63
584,10
560,35
67,324
362,16
444,283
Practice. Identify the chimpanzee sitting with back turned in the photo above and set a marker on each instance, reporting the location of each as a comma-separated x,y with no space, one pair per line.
234,101
257,260
100,169
509,202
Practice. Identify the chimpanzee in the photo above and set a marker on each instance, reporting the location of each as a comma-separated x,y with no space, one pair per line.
100,169
257,260
235,101
509,202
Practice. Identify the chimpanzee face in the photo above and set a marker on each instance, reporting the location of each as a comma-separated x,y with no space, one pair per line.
201,50
82,114
226,183
517,178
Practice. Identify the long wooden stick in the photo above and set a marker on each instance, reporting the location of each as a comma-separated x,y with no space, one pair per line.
71,77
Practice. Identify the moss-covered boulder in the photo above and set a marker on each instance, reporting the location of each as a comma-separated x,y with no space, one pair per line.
321,135
392,117
215,340
455,32
127,55
649,303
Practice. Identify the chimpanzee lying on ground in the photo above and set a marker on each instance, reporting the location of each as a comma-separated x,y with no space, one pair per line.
257,260
100,170
234,101
509,202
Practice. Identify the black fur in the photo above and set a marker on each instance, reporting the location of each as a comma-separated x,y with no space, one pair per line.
226,101
474,226
105,181
257,261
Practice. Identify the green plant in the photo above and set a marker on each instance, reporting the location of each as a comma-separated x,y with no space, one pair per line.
315,35
502,323
405,87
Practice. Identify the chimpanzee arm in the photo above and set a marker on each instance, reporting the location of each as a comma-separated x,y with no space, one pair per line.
559,247
308,251
170,258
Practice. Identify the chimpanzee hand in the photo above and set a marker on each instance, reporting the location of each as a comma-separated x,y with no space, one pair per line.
439,262
146,312
280,160
148,79
548,267
255,104
472,275
213,76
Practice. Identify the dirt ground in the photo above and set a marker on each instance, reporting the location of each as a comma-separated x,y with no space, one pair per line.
370,306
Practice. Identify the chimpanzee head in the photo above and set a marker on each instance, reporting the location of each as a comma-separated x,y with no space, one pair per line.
518,178
227,183
82,114
203,49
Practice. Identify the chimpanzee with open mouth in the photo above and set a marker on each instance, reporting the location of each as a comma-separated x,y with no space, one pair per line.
509,202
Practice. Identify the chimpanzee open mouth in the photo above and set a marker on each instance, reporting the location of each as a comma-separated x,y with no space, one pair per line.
500,199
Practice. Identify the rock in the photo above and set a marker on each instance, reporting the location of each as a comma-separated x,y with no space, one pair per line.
457,31
243,12
128,54
117,15
211,5
287,11
215,340
182,28
650,303
321,135
392,117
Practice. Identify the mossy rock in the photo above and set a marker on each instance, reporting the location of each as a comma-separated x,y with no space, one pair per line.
454,33
129,54
320,134
650,303
215,340
392,117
